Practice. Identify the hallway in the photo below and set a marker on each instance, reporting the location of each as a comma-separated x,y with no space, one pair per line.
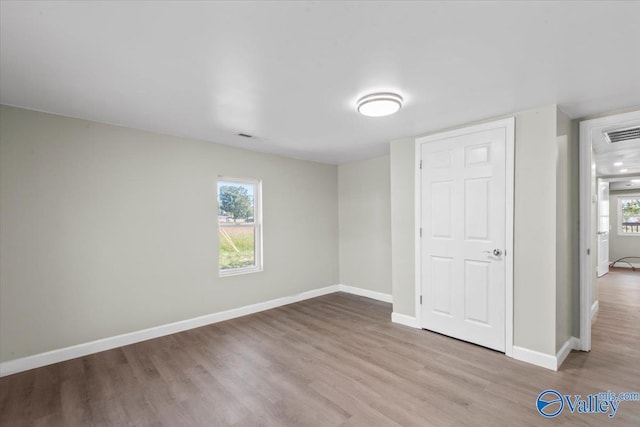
617,327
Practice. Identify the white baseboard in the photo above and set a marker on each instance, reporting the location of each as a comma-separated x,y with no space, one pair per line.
572,343
405,320
366,293
535,357
67,353
594,311
543,359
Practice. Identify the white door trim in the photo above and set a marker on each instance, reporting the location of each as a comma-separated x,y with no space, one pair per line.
509,125
586,199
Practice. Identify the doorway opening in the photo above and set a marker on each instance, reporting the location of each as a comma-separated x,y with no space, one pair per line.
609,190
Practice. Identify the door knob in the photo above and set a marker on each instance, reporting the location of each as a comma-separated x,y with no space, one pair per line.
495,252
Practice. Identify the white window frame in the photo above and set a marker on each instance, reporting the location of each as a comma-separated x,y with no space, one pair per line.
619,214
257,220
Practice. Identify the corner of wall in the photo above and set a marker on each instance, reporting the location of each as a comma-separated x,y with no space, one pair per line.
364,212
567,233
402,182
535,230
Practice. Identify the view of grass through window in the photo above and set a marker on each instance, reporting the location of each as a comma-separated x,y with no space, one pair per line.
630,209
236,225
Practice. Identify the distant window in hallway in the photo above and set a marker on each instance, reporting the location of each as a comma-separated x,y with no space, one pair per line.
629,215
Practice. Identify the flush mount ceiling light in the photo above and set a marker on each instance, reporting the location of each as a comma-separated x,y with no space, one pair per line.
617,164
379,104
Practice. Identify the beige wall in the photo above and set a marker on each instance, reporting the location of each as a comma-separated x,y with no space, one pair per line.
621,246
536,162
402,170
365,224
107,230
535,230
567,232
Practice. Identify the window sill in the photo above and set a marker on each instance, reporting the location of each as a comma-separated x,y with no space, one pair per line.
239,271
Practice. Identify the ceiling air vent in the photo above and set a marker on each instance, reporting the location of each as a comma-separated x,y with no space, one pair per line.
622,135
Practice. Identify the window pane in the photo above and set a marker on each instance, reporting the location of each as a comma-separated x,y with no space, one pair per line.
237,246
630,213
237,227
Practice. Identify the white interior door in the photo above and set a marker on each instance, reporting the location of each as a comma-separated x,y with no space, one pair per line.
603,228
463,217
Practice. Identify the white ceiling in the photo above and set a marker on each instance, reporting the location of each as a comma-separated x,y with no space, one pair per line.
290,72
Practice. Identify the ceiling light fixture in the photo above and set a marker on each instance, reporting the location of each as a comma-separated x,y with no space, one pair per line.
624,170
617,164
379,104
635,180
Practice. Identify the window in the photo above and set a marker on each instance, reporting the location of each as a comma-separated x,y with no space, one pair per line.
239,226
629,215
